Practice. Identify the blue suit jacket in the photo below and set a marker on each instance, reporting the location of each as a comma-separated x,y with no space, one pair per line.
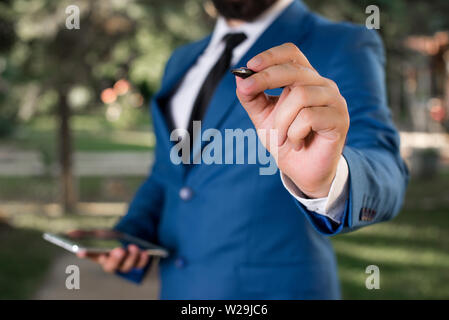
240,235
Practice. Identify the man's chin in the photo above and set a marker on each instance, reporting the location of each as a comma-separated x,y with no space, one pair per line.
246,10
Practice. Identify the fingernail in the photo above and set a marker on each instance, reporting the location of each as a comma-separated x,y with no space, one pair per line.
245,84
255,62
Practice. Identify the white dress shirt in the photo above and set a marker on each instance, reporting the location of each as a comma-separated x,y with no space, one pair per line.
181,103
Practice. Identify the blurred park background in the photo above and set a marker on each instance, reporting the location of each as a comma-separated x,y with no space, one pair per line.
76,139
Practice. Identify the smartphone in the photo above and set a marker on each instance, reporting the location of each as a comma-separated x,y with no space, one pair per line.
101,241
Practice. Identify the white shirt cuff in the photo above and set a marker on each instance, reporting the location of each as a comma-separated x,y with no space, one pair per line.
332,206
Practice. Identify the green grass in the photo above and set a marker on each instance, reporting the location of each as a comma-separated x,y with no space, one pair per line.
413,258
45,189
84,140
90,133
24,259
25,188
412,251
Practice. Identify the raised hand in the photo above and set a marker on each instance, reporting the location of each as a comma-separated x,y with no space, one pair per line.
310,117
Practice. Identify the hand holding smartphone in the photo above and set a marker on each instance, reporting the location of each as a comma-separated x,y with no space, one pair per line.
114,251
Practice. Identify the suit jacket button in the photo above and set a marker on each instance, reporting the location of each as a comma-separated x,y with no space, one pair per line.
186,193
180,263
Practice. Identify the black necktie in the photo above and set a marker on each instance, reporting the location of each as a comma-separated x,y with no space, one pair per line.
206,92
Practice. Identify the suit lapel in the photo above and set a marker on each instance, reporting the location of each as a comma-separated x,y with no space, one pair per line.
180,65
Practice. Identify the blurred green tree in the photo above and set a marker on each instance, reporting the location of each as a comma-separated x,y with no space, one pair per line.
7,38
117,39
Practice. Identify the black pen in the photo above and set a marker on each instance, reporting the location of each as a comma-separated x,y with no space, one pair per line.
243,72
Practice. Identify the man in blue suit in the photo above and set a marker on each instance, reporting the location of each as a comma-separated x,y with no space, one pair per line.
232,232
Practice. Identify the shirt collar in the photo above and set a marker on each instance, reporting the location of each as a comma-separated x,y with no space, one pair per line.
251,29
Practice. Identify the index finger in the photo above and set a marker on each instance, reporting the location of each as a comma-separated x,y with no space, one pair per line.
279,76
285,53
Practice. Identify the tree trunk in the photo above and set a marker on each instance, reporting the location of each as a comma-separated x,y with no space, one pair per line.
68,189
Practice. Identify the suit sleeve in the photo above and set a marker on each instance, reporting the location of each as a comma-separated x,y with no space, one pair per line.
377,174
142,220
143,214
